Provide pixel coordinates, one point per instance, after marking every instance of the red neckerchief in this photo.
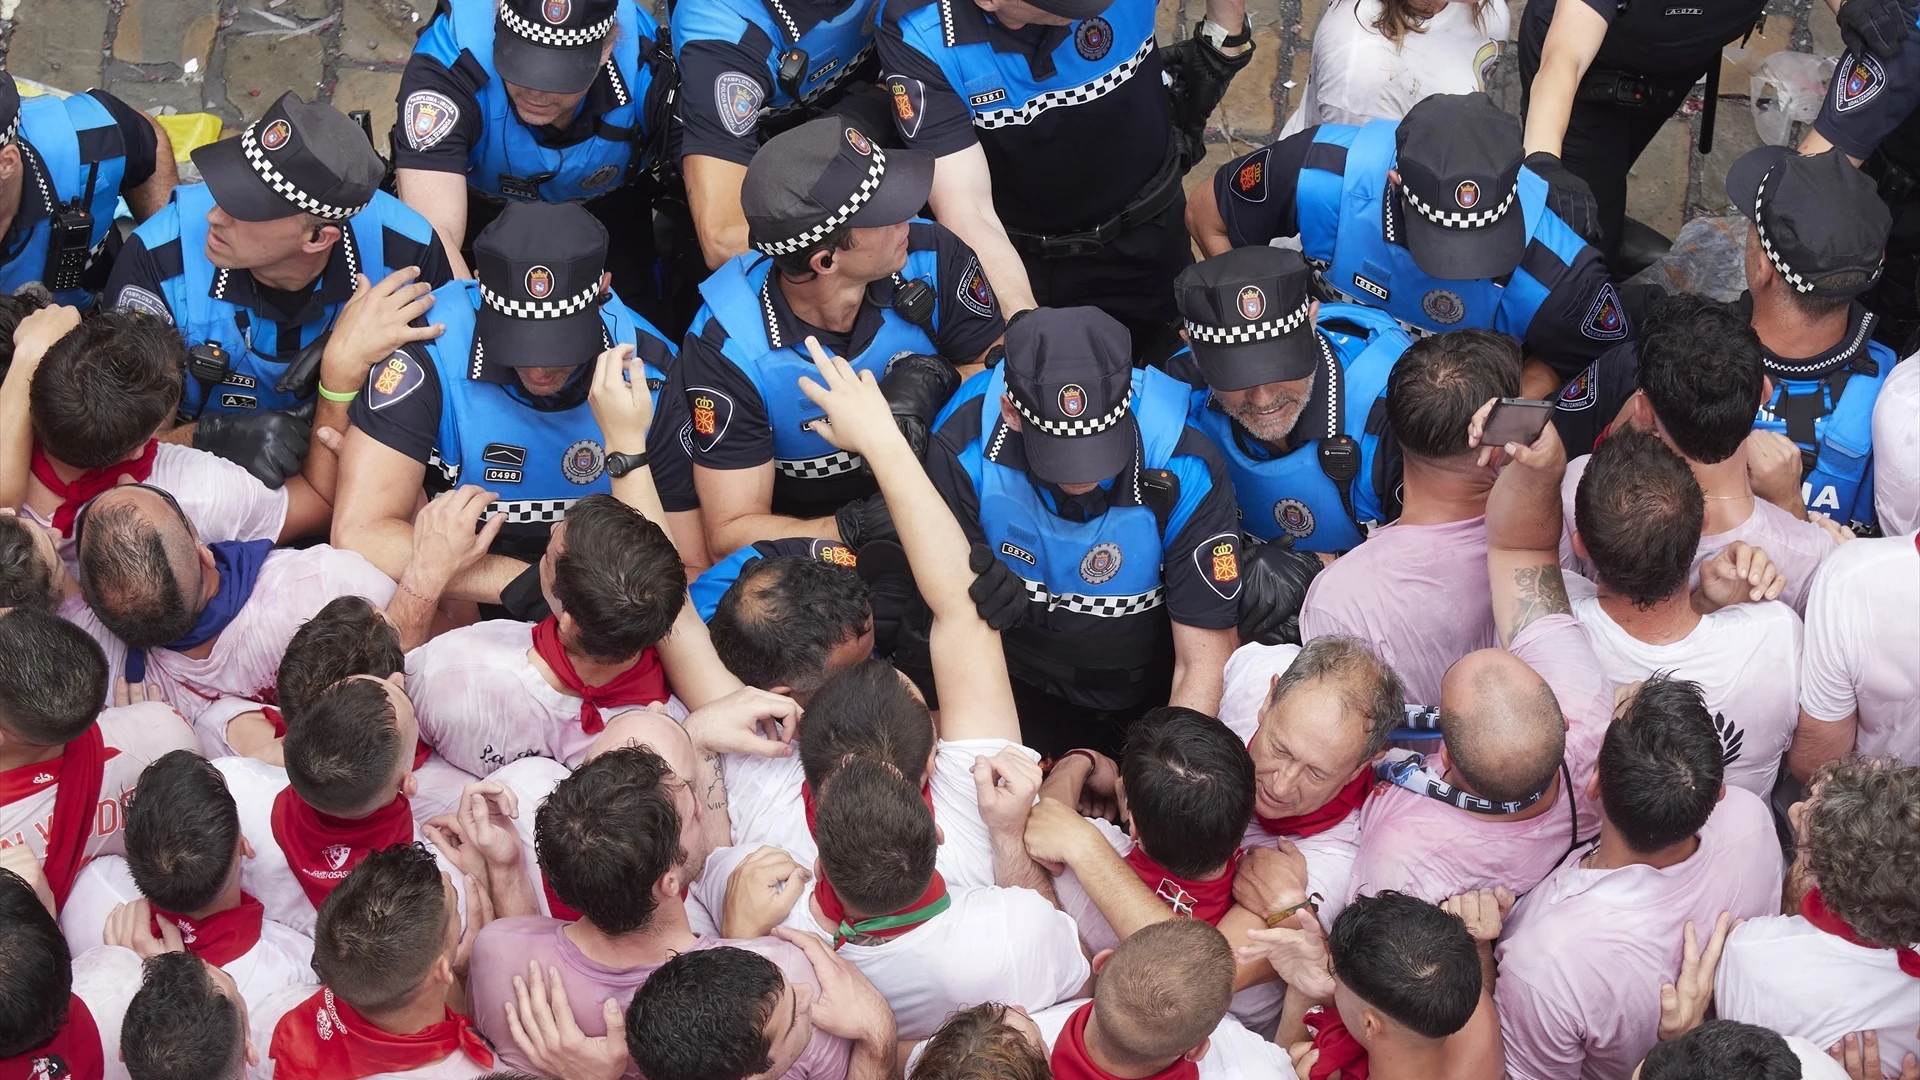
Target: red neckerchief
(931, 903)
(323, 1038)
(1313, 822)
(1071, 1061)
(322, 849)
(421, 751)
(557, 907)
(72, 1054)
(806, 800)
(642, 684)
(1203, 900)
(83, 763)
(80, 490)
(1339, 1050)
(1814, 909)
(222, 937)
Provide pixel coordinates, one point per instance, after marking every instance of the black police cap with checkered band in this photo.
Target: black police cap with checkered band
(540, 267)
(1818, 218)
(1247, 315)
(1459, 162)
(806, 183)
(1069, 375)
(552, 45)
(9, 111)
(298, 158)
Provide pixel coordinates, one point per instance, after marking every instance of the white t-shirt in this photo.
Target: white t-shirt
(1782, 972)
(294, 585)
(1745, 657)
(1583, 956)
(992, 944)
(1358, 75)
(1862, 648)
(273, 976)
(106, 978)
(1896, 451)
(267, 877)
(1233, 1052)
(764, 805)
(135, 736)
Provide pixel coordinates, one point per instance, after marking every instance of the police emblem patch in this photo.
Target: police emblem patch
(539, 283)
(710, 412)
(1582, 392)
(556, 11)
(858, 140)
(974, 293)
(135, 298)
(600, 177)
(1073, 400)
(836, 554)
(1218, 560)
(1093, 38)
(1864, 80)
(1252, 302)
(1250, 180)
(392, 380)
(1444, 306)
(909, 100)
(276, 134)
(429, 118)
(1605, 321)
(584, 461)
(1100, 563)
(1467, 194)
(739, 99)
(1294, 518)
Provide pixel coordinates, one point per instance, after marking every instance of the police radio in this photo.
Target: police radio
(68, 246)
(913, 301)
(793, 71)
(209, 363)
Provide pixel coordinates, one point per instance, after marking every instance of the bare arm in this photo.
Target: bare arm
(31, 339)
(1231, 14)
(441, 198)
(713, 194)
(1573, 39)
(1199, 666)
(1058, 836)
(736, 505)
(1209, 229)
(153, 192)
(1523, 530)
(962, 200)
(1816, 742)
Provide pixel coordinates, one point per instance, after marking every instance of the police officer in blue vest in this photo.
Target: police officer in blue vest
(840, 257)
(539, 101)
(1432, 219)
(255, 265)
(1082, 475)
(499, 400)
(1287, 389)
(64, 164)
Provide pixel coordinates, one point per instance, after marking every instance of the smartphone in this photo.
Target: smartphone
(1516, 420)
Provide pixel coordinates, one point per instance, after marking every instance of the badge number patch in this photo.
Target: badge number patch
(1218, 560)
(429, 118)
(1093, 38)
(1015, 551)
(738, 98)
(1605, 320)
(1368, 285)
(974, 293)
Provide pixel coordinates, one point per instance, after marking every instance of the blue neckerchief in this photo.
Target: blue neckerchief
(239, 563)
(1406, 769)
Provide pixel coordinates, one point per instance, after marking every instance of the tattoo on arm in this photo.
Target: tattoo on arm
(1539, 591)
(716, 796)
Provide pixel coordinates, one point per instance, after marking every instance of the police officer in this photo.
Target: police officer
(1433, 219)
(254, 265)
(1288, 386)
(500, 400)
(1082, 475)
(538, 101)
(838, 256)
(64, 164)
(1052, 118)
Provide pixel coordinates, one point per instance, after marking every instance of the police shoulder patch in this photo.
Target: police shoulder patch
(428, 117)
(135, 298)
(834, 553)
(1605, 320)
(392, 379)
(1250, 179)
(1860, 81)
(711, 411)
(1218, 560)
(973, 292)
(1581, 391)
(909, 103)
(738, 98)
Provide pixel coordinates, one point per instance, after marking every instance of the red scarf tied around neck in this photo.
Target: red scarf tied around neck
(80, 490)
(1070, 1060)
(222, 937)
(1344, 802)
(323, 1038)
(1189, 898)
(1339, 1050)
(642, 684)
(72, 1054)
(80, 771)
(1814, 909)
(322, 849)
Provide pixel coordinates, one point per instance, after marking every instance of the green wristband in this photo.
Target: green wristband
(341, 398)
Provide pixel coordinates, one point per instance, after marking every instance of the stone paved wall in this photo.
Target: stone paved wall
(234, 57)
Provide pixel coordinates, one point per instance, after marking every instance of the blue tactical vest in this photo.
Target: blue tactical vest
(733, 295)
(706, 590)
(1341, 229)
(508, 161)
(538, 462)
(195, 296)
(1839, 482)
(834, 49)
(1291, 494)
(85, 159)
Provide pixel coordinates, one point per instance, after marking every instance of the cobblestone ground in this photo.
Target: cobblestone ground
(234, 57)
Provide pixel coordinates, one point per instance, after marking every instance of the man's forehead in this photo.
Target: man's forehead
(1312, 720)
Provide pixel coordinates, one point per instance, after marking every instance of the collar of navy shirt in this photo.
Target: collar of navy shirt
(608, 92)
(966, 23)
(1317, 420)
(1004, 448)
(1852, 345)
(785, 330)
(335, 285)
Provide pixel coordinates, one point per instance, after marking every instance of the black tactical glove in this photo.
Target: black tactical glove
(1273, 584)
(917, 387)
(270, 445)
(998, 594)
(890, 592)
(1874, 26)
(1567, 195)
(864, 519)
(522, 597)
(1200, 74)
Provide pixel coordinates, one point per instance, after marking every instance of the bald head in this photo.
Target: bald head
(1503, 727)
(1163, 991)
(140, 566)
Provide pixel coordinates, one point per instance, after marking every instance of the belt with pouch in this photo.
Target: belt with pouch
(1152, 201)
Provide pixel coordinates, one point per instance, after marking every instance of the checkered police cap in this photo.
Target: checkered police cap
(1787, 274)
(555, 37)
(1091, 425)
(540, 309)
(256, 156)
(1241, 335)
(876, 171)
(12, 132)
(1456, 219)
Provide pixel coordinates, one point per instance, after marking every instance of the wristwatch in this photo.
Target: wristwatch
(619, 465)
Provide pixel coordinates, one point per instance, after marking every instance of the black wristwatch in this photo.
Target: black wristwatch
(619, 465)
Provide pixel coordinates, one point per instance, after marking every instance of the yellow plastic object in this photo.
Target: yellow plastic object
(189, 131)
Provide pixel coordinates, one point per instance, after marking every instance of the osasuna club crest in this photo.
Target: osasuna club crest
(1073, 400)
(336, 855)
(539, 283)
(1100, 564)
(1252, 302)
(556, 11)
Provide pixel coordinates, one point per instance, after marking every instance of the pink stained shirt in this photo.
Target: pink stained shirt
(136, 736)
(506, 945)
(1583, 956)
(1417, 593)
(1433, 850)
(1862, 646)
(1896, 451)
